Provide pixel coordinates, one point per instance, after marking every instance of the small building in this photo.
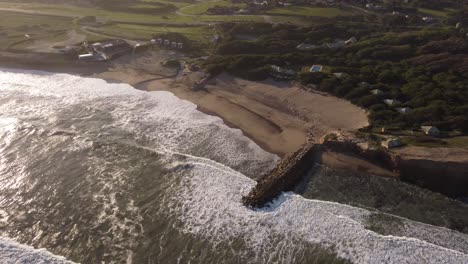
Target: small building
(391, 102)
(334, 45)
(167, 42)
(180, 45)
(403, 110)
(351, 41)
(304, 46)
(392, 143)
(431, 131)
(364, 85)
(282, 74)
(92, 57)
(86, 57)
(339, 75)
(428, 19)
(377, 92)
(97, 45)
(174, 45)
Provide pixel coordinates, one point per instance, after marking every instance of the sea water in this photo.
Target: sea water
(98, 172)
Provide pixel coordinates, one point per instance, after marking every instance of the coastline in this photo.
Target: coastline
(277, 116)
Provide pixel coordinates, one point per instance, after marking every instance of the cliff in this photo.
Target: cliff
(446, 177)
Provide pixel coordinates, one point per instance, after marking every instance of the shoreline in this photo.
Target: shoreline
(277, 116)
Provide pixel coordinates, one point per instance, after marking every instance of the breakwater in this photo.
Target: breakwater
(284, 177)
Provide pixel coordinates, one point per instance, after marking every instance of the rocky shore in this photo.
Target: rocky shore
(445, 177)
(287, 174)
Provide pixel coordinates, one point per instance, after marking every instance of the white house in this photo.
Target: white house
(377, 92)
(339, 75)
(403, 110)
(431, 131)
(86, 57)
(391, 102)
(304, 46)
(351, 41)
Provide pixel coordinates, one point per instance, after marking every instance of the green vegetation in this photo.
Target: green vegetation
(433, 12)
(15, 27)
(308, 11)
(201, 8)
(424, 70)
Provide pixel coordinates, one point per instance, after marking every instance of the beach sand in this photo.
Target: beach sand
(277, 115)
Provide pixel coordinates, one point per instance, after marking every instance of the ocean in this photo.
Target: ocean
(97, 172)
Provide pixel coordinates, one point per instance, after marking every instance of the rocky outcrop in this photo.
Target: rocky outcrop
(446, 177)
(285, 177)
(449, 178)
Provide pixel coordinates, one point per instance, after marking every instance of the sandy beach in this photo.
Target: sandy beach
(278, 116)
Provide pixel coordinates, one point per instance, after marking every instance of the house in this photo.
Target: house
(174, 45)
(392, 143)
(431, 131)
(391, 102)
(364, 85)
(428, 19)
(339, 75)
(351, 41)
(403, 110)
(377, 92)
(92, 57)
(180, 45)
(167, 42)
(335, 45)
(86, 57)
(304, 46)
(97, 45)
(281, 73)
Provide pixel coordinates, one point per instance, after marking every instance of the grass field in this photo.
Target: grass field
(432, 12)
(201, 8)
(15, 27)
(75, 11)
(308, 11)
(195, 33)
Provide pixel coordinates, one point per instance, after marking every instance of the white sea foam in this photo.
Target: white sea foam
(213, 209)
(210, 198)
(15, 253)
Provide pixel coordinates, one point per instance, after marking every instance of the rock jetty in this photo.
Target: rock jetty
(285, 177)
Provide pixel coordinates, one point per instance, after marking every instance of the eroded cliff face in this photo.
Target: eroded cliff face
(449, 178)
(446, 177)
